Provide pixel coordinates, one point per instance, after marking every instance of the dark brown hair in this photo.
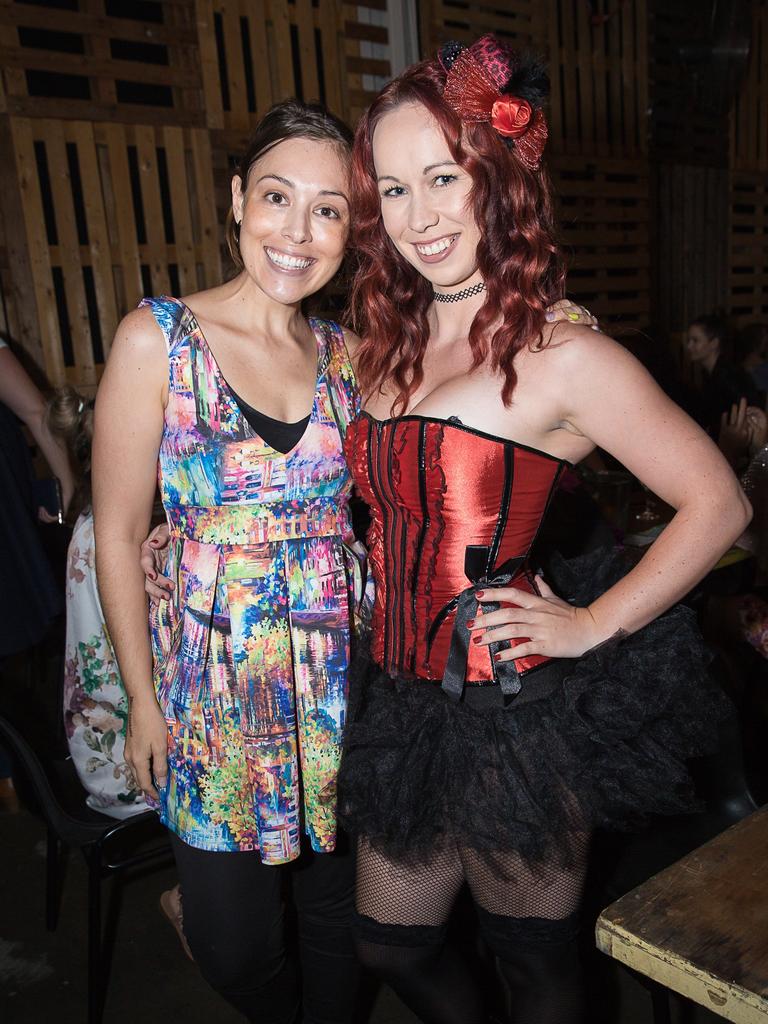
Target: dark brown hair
(290, 119)
(715, 326)
(69, 416)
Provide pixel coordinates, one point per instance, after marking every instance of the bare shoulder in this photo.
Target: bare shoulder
(138, 358)
(353, 343)
(138, 335)
(581, 353)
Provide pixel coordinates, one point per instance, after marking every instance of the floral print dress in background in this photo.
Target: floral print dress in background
(95, 704)
(252, 651)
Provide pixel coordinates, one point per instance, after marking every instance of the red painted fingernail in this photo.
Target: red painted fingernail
(153, 543)
(479, 593)
(470, 623)
(152, 576)
(477, 638)
(497, 656)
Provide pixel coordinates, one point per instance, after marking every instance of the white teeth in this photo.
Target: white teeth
(435, 247)
(289, 262)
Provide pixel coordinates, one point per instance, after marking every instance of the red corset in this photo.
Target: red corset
(452, 507)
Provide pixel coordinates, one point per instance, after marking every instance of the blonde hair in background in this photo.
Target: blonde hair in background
(69, 416)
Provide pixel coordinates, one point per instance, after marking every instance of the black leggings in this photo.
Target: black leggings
(233, 912)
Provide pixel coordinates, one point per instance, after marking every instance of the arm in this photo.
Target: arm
(127, 431)
(19, 393)
(611, 400)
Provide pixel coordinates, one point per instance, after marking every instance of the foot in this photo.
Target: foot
(170, 905)
(9, 801)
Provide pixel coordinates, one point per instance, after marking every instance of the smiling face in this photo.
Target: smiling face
(294, 218)
(425, 197)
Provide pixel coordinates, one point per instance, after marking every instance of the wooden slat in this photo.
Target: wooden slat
(583, 68)
(280, 45)
(642, 104)
(209, 64)
(257, 34)
(14, 81)
(209, 231)
(84, 110)
(184, 254)
(238, 95)
(52, 135)
(97, 46)
(79, 64)
(329, 22)
(37, 251)
(153, 211)
(304, 22)
(568, 58)
(124, 216)
(92, 24)
(98, 238)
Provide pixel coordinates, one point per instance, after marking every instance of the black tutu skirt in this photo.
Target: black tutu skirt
(595, 742)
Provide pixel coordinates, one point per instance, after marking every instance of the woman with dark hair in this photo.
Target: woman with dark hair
(723, 382)
(238, 404)
(496, 725)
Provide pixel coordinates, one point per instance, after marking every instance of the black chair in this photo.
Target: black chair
(109, 847)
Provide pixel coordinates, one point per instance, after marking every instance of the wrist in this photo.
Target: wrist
(146, 700)
(595, 631)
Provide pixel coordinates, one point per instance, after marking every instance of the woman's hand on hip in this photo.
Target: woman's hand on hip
(548, 625)
(146, 745)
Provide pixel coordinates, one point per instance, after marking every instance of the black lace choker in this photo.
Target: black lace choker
(458, 296)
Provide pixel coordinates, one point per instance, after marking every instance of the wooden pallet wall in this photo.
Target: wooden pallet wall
(109, 212)
(253, 55)
(598, 58)
(519, 22)
(604, 218)
(748, 251)
(105, 103)
(122, 122)
(749, 115)
(692, 257)
(99, 60)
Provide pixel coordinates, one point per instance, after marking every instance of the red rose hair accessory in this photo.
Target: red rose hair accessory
(489, 82)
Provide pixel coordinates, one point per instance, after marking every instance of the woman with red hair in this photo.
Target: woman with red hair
(497, 724)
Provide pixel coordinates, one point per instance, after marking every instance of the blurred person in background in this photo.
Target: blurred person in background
(30, 598)
(751, 352)
(723, 383)
(95, 704)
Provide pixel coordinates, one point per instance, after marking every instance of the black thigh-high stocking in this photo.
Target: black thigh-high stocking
(529, 919)
(402, 910)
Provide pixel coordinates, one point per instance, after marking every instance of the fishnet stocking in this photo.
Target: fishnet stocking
(527, 918)
(417, 893)
(503, 883)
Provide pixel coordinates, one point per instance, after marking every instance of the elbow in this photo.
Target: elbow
(745, 510)
(735, 512)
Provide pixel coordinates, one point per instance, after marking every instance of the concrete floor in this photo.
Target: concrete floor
(43, 974)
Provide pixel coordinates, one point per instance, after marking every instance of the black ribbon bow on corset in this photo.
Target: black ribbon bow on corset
(476, 569)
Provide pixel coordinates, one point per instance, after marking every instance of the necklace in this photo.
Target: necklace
(465, 293)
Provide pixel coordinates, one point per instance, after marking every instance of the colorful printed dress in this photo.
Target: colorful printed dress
(251, 654)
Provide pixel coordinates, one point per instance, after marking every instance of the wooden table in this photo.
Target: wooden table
(700, 927)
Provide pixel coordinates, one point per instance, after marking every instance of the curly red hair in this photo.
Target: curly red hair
(518, 256)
